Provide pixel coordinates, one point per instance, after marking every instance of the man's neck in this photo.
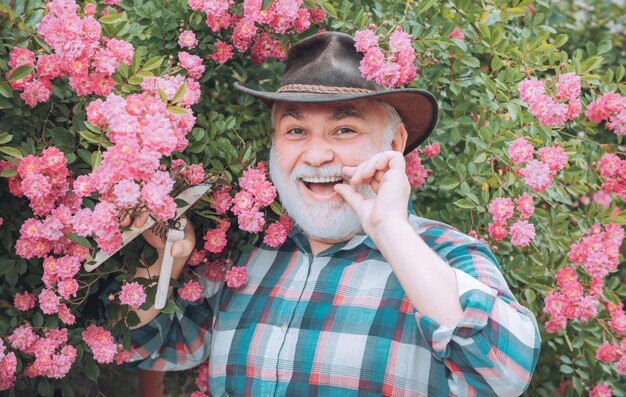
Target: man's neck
(319, 246)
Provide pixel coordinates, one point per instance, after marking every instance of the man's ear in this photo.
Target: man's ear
(399, 138)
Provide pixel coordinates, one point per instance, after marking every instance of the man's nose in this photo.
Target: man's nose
(318, 152)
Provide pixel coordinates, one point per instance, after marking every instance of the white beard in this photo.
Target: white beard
(324, 221)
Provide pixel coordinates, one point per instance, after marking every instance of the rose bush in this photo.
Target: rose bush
(110, 107)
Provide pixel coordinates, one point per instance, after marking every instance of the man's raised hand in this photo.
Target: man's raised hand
(385, 173)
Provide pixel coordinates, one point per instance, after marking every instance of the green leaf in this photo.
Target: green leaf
(471, 62)
(277, 209)
(464, 203)
(62, 137)
(96, 159)
(604, 47)
(112, 18)
(37, 319)
(591, 64)
(480, 158)
(91, 370)
(496, 63)
(180, 203)
(136, 63)
(329, 9)
(152, 63)
(619, 73)
(448, 183)
(180, 93)
(619, 219)
(516, 11)
(135, 80)
(67, 390)
(176, 110)
(8, 172)
(20, 72)
(5, 137)
(6, 266)
(170, 307)
(566, 369)
(44, 388)
(89, 136)
(123, 69)
(79, 240)
(459, 43)
(560, 40)
(6, 90)
(11, 151)
(162, 95)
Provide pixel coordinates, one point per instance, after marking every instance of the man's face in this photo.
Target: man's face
(312, 142)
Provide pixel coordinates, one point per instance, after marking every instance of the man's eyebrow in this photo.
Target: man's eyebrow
(291, 112)
(342, 113)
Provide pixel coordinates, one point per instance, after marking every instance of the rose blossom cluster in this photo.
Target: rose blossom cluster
(598, 254)
(8, 365)
(601, 390)
(537, 174)
(130, 175)
(103, 346)
(415, 170)
(45, 181)
(613, 353)
(613, 169)
(256, 193)
(255, 28)
(502, 209)
(552, 110)
(569, 301)
(390, 68)
(611, 107)
(78, 51)
(187, 39)
(133, 295)
(53, 357)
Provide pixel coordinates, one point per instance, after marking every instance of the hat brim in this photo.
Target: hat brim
(417, 108)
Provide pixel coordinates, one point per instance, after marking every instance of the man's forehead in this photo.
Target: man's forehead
(353, 108)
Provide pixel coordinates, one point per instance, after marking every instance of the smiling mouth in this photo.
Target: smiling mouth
(324, 186)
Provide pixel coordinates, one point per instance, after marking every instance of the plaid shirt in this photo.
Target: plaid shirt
(340, 324)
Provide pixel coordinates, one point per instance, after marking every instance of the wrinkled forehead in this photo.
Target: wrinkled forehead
(359, 108)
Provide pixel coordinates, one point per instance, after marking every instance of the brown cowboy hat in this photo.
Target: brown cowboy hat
(325, 68)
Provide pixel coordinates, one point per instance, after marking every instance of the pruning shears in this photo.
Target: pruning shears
(172, 231)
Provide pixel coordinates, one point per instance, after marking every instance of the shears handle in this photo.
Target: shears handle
(173, 234)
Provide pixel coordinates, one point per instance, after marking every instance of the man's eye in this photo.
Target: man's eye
(296, 131)
(345, 130)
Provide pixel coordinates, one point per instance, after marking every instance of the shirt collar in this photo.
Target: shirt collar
(301, 240)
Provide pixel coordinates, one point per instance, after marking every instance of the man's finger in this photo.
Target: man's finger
(368, 169)
(185, 246)
(352, 197)
(141, 219)
(181, 248)
(125, 220)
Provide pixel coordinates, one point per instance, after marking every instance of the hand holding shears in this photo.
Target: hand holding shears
(169, 237)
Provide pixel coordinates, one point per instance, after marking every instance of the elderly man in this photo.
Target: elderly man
(363, 298)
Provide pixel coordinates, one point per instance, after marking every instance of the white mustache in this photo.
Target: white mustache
(327, 171)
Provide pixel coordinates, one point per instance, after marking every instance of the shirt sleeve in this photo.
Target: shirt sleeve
(176, 341)
(494, 347)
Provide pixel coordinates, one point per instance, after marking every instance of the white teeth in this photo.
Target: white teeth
(326, 179)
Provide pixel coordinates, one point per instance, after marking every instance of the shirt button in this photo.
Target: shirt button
(283, 327)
